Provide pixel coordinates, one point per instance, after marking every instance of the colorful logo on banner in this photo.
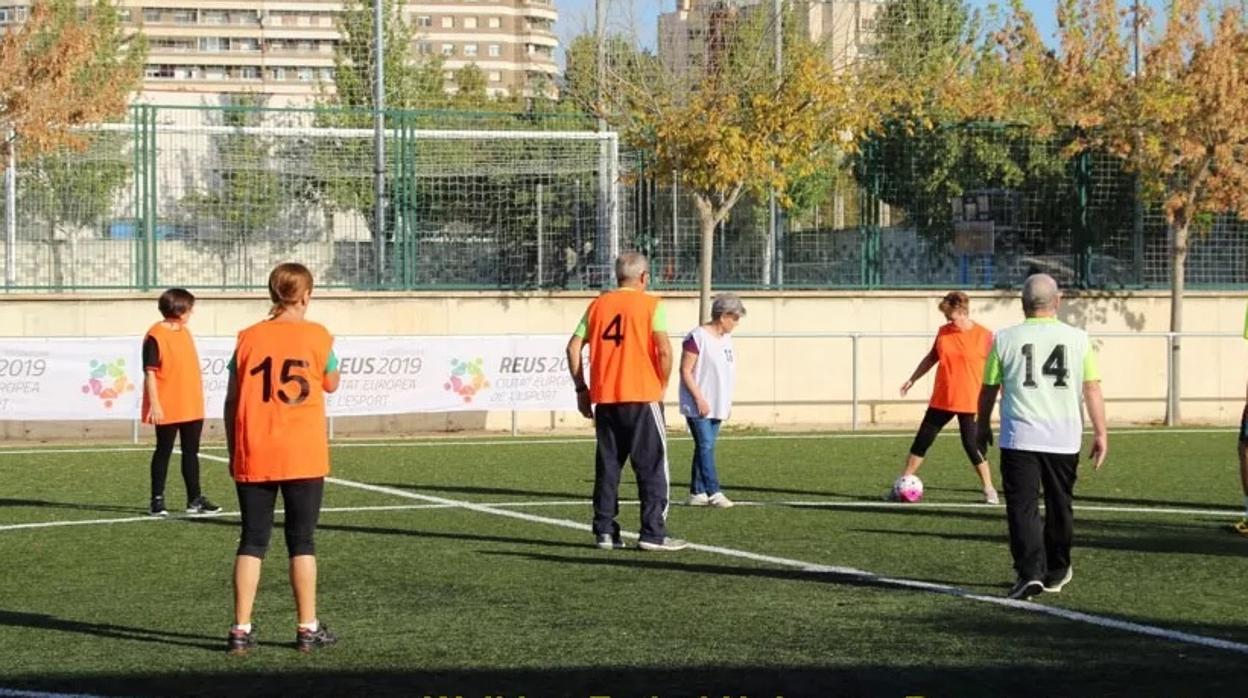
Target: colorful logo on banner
(467, 378)
(108, 381)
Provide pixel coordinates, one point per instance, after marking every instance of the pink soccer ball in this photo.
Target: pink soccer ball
(908, 488)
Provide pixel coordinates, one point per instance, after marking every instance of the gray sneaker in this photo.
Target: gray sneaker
(1056, 579)
(1024, 589)
(668, 544)
(605, 541)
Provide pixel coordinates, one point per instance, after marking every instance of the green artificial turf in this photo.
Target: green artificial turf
(455, 602)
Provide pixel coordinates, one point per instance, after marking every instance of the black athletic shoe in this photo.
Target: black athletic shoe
(306, 640)
(201, 505)
(1024, 589)
(157, 507)
(1055, 580)
(239, 643)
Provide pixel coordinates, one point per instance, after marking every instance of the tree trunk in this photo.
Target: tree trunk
(1178, 270)
(706, 225)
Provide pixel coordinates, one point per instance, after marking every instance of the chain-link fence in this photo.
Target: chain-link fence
(212, 198)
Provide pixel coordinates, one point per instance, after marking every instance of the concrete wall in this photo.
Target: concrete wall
(784, 382)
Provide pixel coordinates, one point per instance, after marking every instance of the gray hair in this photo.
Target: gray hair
(1040, 292)
(727, 304)
(630, 266)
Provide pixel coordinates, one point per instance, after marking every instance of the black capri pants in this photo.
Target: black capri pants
(302, 501)
(935, 420)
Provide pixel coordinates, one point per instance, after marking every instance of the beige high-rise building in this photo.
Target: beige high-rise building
(689, 35)
(284, 48)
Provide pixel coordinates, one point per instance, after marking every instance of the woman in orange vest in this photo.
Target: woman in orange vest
(959, 354)
(173, 400)
(275, 429)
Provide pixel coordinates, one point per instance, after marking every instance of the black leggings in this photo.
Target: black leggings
(934, 421)
(165, 434)
(257, 500)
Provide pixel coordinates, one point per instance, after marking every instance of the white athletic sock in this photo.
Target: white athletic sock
(244, 628)
(310, 627)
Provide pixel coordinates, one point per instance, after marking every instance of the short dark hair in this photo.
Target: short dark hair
(175, 302)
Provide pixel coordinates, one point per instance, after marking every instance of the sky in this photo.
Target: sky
(577, 16)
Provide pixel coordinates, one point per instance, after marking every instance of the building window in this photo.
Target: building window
(279, 73)
(448, 22)
(305, 74)
(495, 22)
(214, 17)
(424, 48)
(448, 49)
(470, 23)
(470, 50)
(249, 72)
(496, 76)
(211, 44)
(424, 21)
(496, 50)
(151, 14)
(185, 17)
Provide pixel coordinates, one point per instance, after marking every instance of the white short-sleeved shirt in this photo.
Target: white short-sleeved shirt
(715, 373)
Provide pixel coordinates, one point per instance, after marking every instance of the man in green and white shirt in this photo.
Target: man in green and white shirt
(1046, 371)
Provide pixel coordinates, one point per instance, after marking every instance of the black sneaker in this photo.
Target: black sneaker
(157, 507)
(605, 541)
(1055, 580)
(239, 643)
(1024, 589)
(306, 640)
(201, 505)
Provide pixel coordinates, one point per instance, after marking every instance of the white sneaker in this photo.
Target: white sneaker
(990, 496)
(719, 501)
(698, 500)
(668, 544)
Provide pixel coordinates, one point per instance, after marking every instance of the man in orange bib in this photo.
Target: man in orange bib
(630, 360)
(275, 428)
(173, 400)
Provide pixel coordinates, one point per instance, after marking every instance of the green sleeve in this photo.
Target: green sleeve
(332, 365)
(659, 322)
(582, 329)
(1091, 367)
(992, 369)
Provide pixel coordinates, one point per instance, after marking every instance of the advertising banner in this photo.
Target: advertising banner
(92, 378)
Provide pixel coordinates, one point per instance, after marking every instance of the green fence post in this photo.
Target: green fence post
(1083, 233)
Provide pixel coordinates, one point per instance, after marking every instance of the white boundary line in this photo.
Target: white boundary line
(524, 441)
(536, 504)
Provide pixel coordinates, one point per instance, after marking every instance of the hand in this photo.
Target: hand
(1100, 449)
(582, 404)
(983, 439)
(156, 414)
(905, 387)
(704, 407)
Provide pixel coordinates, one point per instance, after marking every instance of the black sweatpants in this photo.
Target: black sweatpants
(1039, 546)
(631, 431)
(165, 435)
(302, 501)
(934, 420)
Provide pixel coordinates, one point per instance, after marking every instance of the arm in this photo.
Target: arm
(663, 352)
(1095, 401)
(577, 369)
(230, 413)
(987, 403)
(153, 397)
(329, 383)
(921, 370)
(688, 360)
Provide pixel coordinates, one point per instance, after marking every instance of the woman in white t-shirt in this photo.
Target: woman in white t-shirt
(708, 374)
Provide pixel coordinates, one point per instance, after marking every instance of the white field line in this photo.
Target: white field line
(12, 693)
(535, 504)
(522, 441)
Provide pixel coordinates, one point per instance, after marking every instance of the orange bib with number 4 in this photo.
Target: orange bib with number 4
(279, 432)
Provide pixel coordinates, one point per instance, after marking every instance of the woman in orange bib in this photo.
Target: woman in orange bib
(173, 400)
(959, 354)
(275, 429)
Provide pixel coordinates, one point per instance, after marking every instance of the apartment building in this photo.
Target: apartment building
(284, 48)
(691, 34)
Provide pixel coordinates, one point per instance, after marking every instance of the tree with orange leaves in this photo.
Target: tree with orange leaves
(1180, 125)
(65, 66)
